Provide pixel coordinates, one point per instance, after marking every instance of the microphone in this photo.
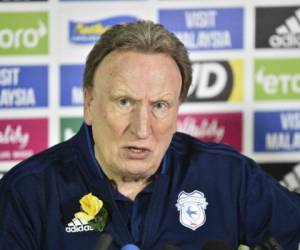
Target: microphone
(104, 242)
(170, 247)
(269, 244)
(130, 247)
(273, 244)
(217, 245)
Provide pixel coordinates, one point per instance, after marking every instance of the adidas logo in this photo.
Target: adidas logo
(288, 34)
(77, 225)
(292, 179)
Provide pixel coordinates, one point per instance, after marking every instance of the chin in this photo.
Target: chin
(140, 173)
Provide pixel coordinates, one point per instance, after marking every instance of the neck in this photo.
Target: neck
(130, 187)
(127, 184)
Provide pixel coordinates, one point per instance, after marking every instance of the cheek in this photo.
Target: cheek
(112, 125)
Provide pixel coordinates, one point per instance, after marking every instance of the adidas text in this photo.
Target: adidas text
(285, 41)
(77, 225)
(75, 229)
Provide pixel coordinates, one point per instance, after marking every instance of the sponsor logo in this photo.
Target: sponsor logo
(89, 32)
(191, 207)
(278, 27)
(206, 29)
(277, 131)
(23, 86)
(23, 33)
(225, 128)
(217, 81)
(20, 139)
(292, 179)
(205, 129)
(288, 174)
(277, 79)
(15, 135)
(76, 226)
(71, 93)
(69, 127)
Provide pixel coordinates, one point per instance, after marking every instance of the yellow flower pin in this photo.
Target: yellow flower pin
(92, 211)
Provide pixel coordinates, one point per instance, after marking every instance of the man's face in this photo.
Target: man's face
(132, 109)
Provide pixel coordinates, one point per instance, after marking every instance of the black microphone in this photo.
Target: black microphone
(170, 247)
(273, 244)
(269, 244)
(104, 242)
(217, 245)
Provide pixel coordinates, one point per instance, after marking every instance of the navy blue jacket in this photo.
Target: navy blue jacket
(201, 192)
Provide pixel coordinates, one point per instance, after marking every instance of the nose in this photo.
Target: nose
(141, 124)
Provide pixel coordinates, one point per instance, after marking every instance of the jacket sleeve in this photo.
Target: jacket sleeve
(268, 209)
(16, 224)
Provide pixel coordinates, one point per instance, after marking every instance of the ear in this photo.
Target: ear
(87, 108)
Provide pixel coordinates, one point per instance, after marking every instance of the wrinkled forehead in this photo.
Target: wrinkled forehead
(115, 55)
(135, 70)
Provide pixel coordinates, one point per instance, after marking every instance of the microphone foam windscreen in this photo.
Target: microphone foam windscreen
(130, 247)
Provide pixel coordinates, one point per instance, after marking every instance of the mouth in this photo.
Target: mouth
(136, 153)
(137, 150)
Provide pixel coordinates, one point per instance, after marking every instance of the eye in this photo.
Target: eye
(124, 102)
(160, 105)
(160, 109)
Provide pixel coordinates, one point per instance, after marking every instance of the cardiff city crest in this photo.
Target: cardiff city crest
(191, 207)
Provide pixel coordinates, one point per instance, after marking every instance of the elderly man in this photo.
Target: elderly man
(130, 175)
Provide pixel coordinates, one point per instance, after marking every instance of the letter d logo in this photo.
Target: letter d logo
(212, 81)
